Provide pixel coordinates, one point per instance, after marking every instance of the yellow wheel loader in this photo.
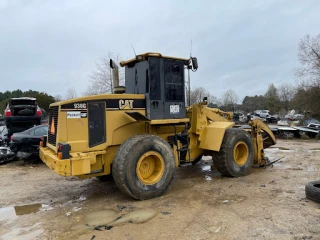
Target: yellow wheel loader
(140, 133)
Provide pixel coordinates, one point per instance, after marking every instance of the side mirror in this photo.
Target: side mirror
(194, 63)
(205, 100)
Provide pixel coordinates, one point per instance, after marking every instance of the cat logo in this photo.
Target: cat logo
(52, 130)
(125, 104)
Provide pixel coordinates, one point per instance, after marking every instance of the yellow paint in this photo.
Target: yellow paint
(257, 127)
(206, 133)
(176, 155)
(240, 153)
(195, 150)
(61, 167)
(150, 168)
(213, 134)
(169, 121)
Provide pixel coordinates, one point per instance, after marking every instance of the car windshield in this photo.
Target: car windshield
(41, 131)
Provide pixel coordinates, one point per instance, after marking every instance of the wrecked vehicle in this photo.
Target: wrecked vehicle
(272, 119)
(6, 155)
(2, 121)
(4, 138)
(21, 114)
(26, 144)
(262, 113)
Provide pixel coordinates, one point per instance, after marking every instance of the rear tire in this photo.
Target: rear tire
(236, 153)
(144, 167)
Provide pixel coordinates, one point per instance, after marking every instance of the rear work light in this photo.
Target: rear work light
(43, 141)
(7, 112)
(63, 151)
(39, 112)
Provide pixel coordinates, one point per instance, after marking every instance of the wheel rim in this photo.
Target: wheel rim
(150, 168)
(240, 153)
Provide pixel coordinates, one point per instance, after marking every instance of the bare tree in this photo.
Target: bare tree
(58, 98)
(197, 94)
(101, 77)
(230, 98)
(71, 93)
(307, 96)
(309, 58)
(286, 93)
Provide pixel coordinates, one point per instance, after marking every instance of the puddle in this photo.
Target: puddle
(27, 233)
(208, 178)
(106, 219)
(103, 217)
(137, 216)
(206, 168)
(27, 209)
(9, 214)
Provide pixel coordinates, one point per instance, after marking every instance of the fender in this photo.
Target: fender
(212, 135)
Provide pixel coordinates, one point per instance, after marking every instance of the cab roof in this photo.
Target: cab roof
(144, 56)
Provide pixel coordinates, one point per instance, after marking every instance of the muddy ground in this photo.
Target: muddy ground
(267, 204)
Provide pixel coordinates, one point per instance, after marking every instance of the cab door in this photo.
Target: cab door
(174, 99)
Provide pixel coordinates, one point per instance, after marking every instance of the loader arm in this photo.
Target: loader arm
(207, 128)
(208, 125)
(262, 138)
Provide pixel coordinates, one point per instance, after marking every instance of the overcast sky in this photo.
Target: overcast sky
(244, 45)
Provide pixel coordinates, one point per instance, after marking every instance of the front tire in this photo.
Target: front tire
(144, 167)
(235, 157)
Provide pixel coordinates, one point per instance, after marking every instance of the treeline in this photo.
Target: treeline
(302, 98)
(305, 96)
(43, 99)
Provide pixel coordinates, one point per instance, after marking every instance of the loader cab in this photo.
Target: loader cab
(162, 81)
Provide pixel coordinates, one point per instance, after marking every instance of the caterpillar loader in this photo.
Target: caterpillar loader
(140, 133)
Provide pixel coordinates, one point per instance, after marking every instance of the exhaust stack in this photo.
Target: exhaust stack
(115, 73)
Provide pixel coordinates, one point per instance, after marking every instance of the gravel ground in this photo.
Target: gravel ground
(270, 203)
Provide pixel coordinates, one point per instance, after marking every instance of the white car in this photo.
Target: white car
(263, 113)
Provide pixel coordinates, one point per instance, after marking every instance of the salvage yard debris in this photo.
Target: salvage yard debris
(313, 191)
(278, 192)
(6, 155)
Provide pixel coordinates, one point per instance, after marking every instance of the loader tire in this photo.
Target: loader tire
(235, 157)
(144, 167)
(312, 190)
